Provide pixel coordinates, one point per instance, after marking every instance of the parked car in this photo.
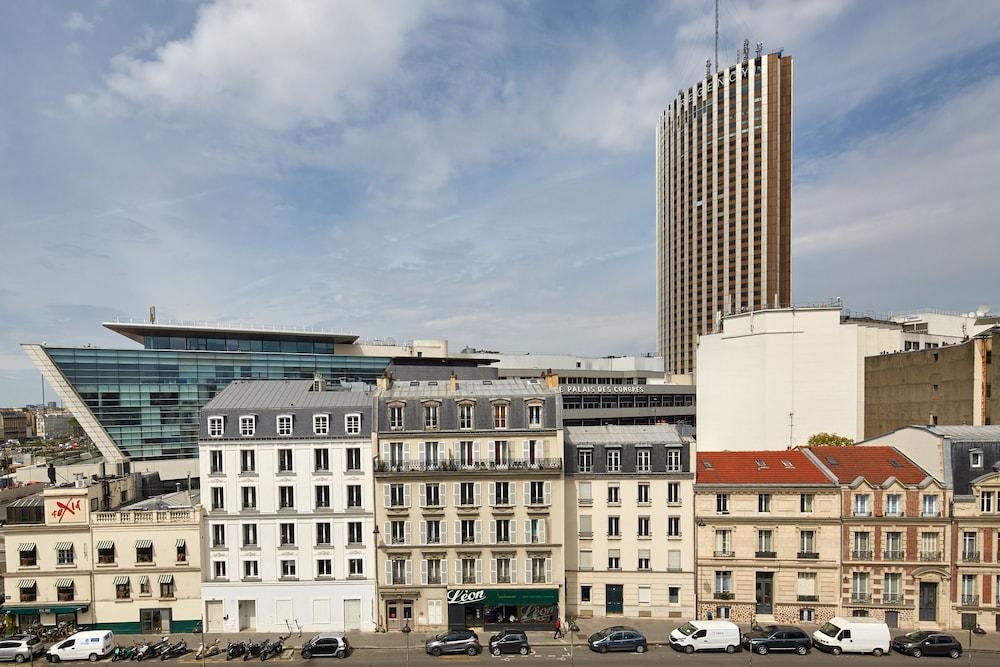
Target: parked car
(927, 643)
(510, 641)
(777, 638)
(706, 636)
(88, 645)
(328, 643)
(454, 641)
(21, 648)
(617, 638)
(853, 635)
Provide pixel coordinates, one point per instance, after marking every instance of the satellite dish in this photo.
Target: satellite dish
(983, 309)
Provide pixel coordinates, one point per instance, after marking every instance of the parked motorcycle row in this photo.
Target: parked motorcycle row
(165, 650)
(144, 650)
(264, 649)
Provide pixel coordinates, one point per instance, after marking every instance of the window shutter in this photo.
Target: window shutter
(475, 452)
(423, 572)
(493, 570)
(388, 573)
(406, 495)
(444, 565)
(479, 570)
(423, 537)
(384, 448)
(458, 532)
(458, 570)
(526, 450)
(388, 494)
(527, 492)
(541, 532)
(527, 570)
(409, 572)
(443, 493)
(477, 489)
(493, 534)
(527, 531)
(406, 452)
(458, 493)
(494, 448)
(444, 535)
(387, 535)
(493, 494)
(548, 493)
(479, 531)
(421, 452)
(548, 570)
(512, 526)
(512, 490)
(406, 532)
(513, 570)
(423, 495)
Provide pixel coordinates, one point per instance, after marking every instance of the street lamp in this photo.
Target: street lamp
(406, 632)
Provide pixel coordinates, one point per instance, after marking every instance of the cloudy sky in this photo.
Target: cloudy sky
(481, 172)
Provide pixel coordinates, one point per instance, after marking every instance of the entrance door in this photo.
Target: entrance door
(398, 613)
(352, 614)
(213, 616)
(614, 599)
(247, 614)
(892, 619)
(154, 621)
(434, 616)
(928, 601)
(765, 592)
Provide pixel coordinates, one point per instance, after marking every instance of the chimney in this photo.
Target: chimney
(551, 379)
(319, 384)
(452, 382)
(385, 381)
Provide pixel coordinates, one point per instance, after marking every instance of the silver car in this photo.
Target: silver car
(21, 648)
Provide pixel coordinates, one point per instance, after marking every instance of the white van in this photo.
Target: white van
(88, 645)
(853, 635)
(706, 636)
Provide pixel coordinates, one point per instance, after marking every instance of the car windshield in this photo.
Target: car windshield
(32, 640)
(917, 636)
(829, 629)
(441, 636)
(686, 629)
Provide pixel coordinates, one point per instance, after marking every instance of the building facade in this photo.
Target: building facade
(286, 475)
(469, 478)
(14, 425)
(723, 202)
(629, 525)
(768, 543)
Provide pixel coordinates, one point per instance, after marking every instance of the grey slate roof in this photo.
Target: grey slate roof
(282, 394)
(615, 434)
(968, 433)
(404, 389)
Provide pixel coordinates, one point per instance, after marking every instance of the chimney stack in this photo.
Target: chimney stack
(385, 381)
(452, 382)
(551, 379)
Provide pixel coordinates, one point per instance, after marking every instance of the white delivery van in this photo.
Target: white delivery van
(706, 636)
(853, 635)
(88, 645)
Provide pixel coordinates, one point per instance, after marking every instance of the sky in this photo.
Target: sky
(480, 172)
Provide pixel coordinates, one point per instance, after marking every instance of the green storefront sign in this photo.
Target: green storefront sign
(513, 596)
(46, 609)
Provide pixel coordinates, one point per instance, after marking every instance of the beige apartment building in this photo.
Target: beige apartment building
(976, 550)
(768, 543)
(629, 525)
(469, 482)
(130, 570)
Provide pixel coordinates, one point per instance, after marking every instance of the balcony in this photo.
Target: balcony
(892, 598)
(970, 600)
(723, 595)
(862, 513)
(971, 556)
(930, 513)
(807, 598)
(861, 555)
(469, 579)
(723, 554)
(434, 580)
(893, 555)
(861, 598)
(140, 518)
(808, 555)
(930, 556)
(766, 554)
(387, 467)
(398, 580)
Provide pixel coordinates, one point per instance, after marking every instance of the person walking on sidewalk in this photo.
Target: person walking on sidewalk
(558, 626)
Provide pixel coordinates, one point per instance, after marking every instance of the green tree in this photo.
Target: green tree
(830, 439)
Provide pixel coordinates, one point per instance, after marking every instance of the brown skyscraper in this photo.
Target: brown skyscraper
(723, 202)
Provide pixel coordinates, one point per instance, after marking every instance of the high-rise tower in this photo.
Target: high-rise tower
(723, 201)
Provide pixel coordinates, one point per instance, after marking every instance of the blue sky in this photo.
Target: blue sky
(481, 172)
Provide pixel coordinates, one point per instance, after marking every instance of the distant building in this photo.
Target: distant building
(53, 424)
(14, 425)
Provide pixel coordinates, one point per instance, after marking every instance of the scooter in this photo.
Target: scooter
(208, 651)
(147, 650)
(124, 652)
(254, 649)
(178, 649)
(273, 649)
(235, 650)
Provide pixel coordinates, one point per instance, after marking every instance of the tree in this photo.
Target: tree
(830, 439)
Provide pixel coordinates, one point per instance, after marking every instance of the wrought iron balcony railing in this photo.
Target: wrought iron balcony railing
(553, 464)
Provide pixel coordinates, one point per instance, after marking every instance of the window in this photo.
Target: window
(432, 495)
(862, 504)
(468, 452)
(248, 497)
(398, 496)
(396, 418)
(642, 494)
(501, 529)
(501, 573)
(539, 570)
(432, 532)
(674, 560)
(970, 546)
(215, 462)
(248, 425)
(354, 496)
(892, 588)
(323, 532)
(723, 543)
(181, 546)
(250, 569)
(144, 551)
(673, 526)
(970, 590)
(673, 493)
(355, 567)
(585, 493)
(893, 504)
(614, 527)
(501, 493)
(432, 455)
(764, 502)
(644, 595)
(286, 534)
(723, 582)
(167, 586)
(216, 427)
(399, 532)
(499, 415)
(218, 498)
(806, 503)
(287, 568)
(29, 555)
(218, 569)
(643, 528)
(324, 567)
(585, 593)
(431, 413)
(807, 543)
(614, 495)
(536, 531)
(674, 595)
(614, 460)
(584, 460)
(64, 553)
(249, 534)
(807, 615)
(248, 460)
(539, 493)
(976, 458)
(398, 570)
(321, 460)
(352, 423)
(323, 496)
(468, 531)
(354, 537)
(929, 505)
(218, 535)
(986, 501)
(642, 460)
(467, 493)
(894, 546)
(929, 546)
(65, 591)
(321, 424)
(859, 587)
(285, 460)
(284, 425)
(673, 459)
(105, 552)
(722, 503)
(644, 559)
(286, 497)
(765, 544)
(534, 415)
(501, 452)
(465, 416)
(353, 459)
(123, 590)
(862, 546)
(585, 527)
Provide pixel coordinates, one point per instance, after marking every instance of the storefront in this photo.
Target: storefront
(524, 608)
(46, 614)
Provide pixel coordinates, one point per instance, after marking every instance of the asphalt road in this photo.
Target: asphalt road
(656, 656)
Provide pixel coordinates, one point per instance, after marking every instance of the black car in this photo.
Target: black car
(454, 641)
(509, 641)
(777, 638)
(617, 638)
(329, 643)
(927, 643)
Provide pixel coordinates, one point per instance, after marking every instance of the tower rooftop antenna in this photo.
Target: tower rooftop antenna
(716, 36)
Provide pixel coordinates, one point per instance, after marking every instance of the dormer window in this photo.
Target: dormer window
(216, 426)
(432, 412)
(284, 425)
(535, 415)
(248, 425)
(321, 424)
(466, 416)
(976, 458)
(500, 415)
(352, 423)
(396, 417)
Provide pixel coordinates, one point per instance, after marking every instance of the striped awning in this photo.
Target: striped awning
(166, 578)
(106, 544)
(180, 542)
(26, 583)
(64, 583)
(60, 546)
(26, 546)
(121, 581)
(144, 544)
(143, 580)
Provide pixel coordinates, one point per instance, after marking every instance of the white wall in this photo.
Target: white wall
(318, 607)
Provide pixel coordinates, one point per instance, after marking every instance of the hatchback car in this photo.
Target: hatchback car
(21, 648)
(510, 641)
(617, 638)
(927, 643)
(454, 641)
(326, 644)
(777, 638)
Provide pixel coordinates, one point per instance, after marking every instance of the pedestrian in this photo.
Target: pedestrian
(558, 625)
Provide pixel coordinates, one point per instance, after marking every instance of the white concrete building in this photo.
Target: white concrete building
(286, 474)
(772, 378)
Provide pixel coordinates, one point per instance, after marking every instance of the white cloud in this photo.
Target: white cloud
(77, 22)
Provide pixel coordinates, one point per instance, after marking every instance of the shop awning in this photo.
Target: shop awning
(514, 596)
(180, 542)
(27, 546)
(60, 546)
(50, 609)
(106, 544)
(144, 544)
(64, 583)
(26, 583)
(121, 581)
(166, 578)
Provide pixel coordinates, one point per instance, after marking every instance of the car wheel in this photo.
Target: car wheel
(18, 658)
(523, 650)
(55, 658)
(341, 653)
(495, 650)
(603, 649)
(689, 649)
(835, 650)
(472, 650)
(761, 649)
(730, 649)
(436, 651)
(802, 649)
(916, 653)
(307, 654)
(640, 648)
(954, 653)
(877, 653)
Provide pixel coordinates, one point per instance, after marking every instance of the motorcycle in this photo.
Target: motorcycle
(147, 650)
(235, 650)
(273, 649)
(254, 649)
(208, 651)
(178, 649)
(124, 652)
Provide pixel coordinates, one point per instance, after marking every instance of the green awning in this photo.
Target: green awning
(143, 580)
(144, 544)
(180, 542)
(166, 578)
(121, 581)
(61, 546)
(26, 583)
(50, 609)
(106, 544)
(27, 546)
(514, 596)
(64, 583)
